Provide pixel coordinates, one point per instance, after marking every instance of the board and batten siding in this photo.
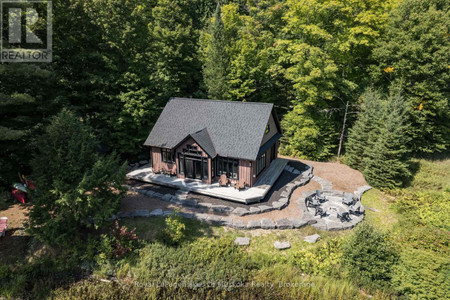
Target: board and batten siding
(245, 172)
(158, 164)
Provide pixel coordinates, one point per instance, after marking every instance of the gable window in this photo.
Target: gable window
(260, 164)
(228, 166)
(167, 155)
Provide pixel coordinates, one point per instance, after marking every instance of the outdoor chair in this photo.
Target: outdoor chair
(312, 203)
(344, 217)
(320, 212)
(3, 225)
(356, 210)
(348, 200)
(321, 198)
(240, 185)
(223, 180)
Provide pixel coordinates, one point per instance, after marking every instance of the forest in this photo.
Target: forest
(365, 83)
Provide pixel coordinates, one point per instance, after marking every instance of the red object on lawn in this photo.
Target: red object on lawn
(19, 195)
(3, 225)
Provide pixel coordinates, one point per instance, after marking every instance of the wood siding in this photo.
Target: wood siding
(158, 164)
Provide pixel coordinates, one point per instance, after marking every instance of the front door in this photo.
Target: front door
(193, 167)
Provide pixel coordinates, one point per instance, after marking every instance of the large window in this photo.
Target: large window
(167, 155)
(229, 166)
(260, 164)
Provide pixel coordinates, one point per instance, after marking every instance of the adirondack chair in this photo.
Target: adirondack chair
(344, 217)
(240, 185)
(320, 212)
(3, 225)
(223, 180)
(321, 198)
(356, 210)
(312, 202)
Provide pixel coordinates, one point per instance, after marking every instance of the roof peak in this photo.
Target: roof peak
(217, 100)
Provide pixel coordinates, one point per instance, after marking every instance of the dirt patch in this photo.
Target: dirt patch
(343, 177)
(16, 216)
(290, 211)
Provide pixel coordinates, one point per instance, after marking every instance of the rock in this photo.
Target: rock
(239, 211)
(284, 224)
(253, 224)
(143, 162)
(204, 205)
(143, 213)
(277, 205)
(282, 245)
(167, 197)
(297, 172)
(284, 194)
(189, 202)
(238, 224)
(168, 212)
(227, 221)
(201, 217)
(187, 215)
(297, 223)
(265, 208)
(312, 238)
(242, 241)
(219, 208)
(267, 224)
(254, 210)
(157, 212)
(149, 193)
(214, 219)
(283, 200)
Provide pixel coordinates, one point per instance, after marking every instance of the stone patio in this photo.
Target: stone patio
(249, 195)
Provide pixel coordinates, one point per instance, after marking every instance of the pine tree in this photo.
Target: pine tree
(25, 100)
(365, 125)
(386, 161)
(216, 60)
(75, 185)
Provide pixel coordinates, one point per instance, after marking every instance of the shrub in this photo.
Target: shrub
(175, 230)
(369, 257)
(422, 275)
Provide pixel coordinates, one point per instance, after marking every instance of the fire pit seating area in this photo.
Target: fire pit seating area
(333, 210)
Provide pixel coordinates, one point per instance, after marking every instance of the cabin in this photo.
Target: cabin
(199, 139)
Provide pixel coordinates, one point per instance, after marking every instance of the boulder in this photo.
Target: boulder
(265, 208)
(267, 224)
(312, 238)
(284, 224)
(157, 212)
(282, 245)
(242, 241)
(239, 211)
(254, 210)
(254, 224)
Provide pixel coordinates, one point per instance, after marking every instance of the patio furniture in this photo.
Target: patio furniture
(312, 202)
(319, 196)
(348, 200)
(240, 185)
(356, 210)
(320, 212)
(223, 180)
(344, 217)
(3, 225)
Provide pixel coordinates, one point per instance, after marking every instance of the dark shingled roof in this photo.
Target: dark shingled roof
(227, 128)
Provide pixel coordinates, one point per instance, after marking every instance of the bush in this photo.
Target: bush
(175, 230)
(422, 275)
(325, 259)
(369, 257)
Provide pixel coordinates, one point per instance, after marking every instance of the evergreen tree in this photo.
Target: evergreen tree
(386, 160)
(413, 54)
(76, 187)
(26, 99)
(365, 125)
(216, 60)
